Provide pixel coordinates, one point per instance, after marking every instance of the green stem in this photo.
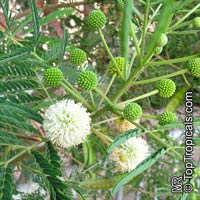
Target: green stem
(105, 121)
(36, 56)
(149, 116)
(160, 77)
(71, 86)
(183, 18)
(126, 85)
(139, 97)
(81, 99)
(108, 88)
(110, 103)
(104, 138)
(135, 41)
(109, 53)
(179, 26)
(92, 99)
(164, 144)
(138, 125)
(45, 90)
(177, 60)
(144, 31)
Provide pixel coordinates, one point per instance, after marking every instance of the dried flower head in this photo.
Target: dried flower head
(130, 154)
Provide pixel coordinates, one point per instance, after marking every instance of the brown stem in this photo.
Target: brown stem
(32, 138)
(39, 128)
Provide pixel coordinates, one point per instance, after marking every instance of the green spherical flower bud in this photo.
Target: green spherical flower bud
(120, 61)
(158, 50)
(77, 56)
(132, 111)
(196, 22)
(167, 118)
(96, 19)
(53, 76)
(166, 88)
(194, 67)
(87, 80)
(162, 40)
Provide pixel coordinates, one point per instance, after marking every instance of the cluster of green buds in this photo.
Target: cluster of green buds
(87, 80)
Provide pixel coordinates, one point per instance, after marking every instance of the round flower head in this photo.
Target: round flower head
(162, 40)
(77, 56)
(66, 123)
(132, 111)
(53, 76)
(194, 67)
(120, 64)
(96, 19)
(196, 22)
(130, 154)
(87, 80)
(166, 88)
(167, 118)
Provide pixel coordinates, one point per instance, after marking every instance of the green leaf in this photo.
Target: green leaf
(183, 196)
(58, 14)
(36, 22)
(53, 157)
(7, 13)
(101, 184)
(145, 164)
(16, 71)
(12, 119)
(45, 165)
(177, 99)
(124, 32)
(197, 142)
(15, 85)
(33, 197)
(23, 98)
(164, 21)
(57, 183)
(20, 52)
(6, 184)
(20, 109)
(196, 122)
(21, 24)
(8, 139)
(123, 138)
(63, 44)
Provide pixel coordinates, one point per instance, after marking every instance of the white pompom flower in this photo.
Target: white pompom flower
(130, 154)
(66, 123)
